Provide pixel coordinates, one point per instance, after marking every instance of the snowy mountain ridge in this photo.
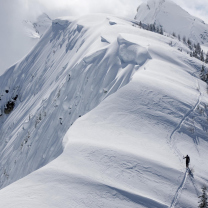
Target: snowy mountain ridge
(45, 85)
(109, 110)
(173, 19)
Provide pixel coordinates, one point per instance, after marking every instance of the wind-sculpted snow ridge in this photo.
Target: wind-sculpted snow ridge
(172, 18)
(67, 74)
(139, 107)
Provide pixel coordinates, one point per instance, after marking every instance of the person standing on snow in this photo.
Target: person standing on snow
(187, 160)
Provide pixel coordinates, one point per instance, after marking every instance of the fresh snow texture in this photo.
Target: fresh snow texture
(173, 18)
(145, 109)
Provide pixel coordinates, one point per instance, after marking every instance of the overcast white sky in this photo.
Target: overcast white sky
(13, 44)
(77, 7)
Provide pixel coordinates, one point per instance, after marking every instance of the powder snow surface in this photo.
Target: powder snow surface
(116, 108)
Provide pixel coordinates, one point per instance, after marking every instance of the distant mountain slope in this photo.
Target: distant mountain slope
(145, 109)
(173, 19)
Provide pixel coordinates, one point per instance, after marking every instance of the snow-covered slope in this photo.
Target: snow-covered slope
(173, 19)
(71, 70)
(37, 29)
(127, 152)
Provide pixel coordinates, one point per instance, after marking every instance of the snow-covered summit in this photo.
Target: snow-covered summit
(37, 28)
(173, 18)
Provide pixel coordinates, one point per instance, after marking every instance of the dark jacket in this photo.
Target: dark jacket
(187, 159)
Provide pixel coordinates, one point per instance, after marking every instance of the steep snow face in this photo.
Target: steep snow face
(173, 18)
(37, 29)
(75, 66)
(126, 152)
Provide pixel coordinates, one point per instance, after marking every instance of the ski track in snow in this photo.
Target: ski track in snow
(179, 190)
(179, 154)
(193, 182)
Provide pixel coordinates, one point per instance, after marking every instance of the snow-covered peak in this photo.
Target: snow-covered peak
(173, 18)
(43, 18)
(37, 28)
(42, 24)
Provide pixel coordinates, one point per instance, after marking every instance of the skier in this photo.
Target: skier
(187, 160)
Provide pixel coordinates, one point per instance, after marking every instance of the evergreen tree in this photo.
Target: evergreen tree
(206, 59)
(153, 28)
(179, 37)
(203, 198)
(184, 39)
(204, 74)
(174, 35)
(161, 31)
(195, 54)
(202, 56)
(148, 27)
(189, 42)
(198, 48)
